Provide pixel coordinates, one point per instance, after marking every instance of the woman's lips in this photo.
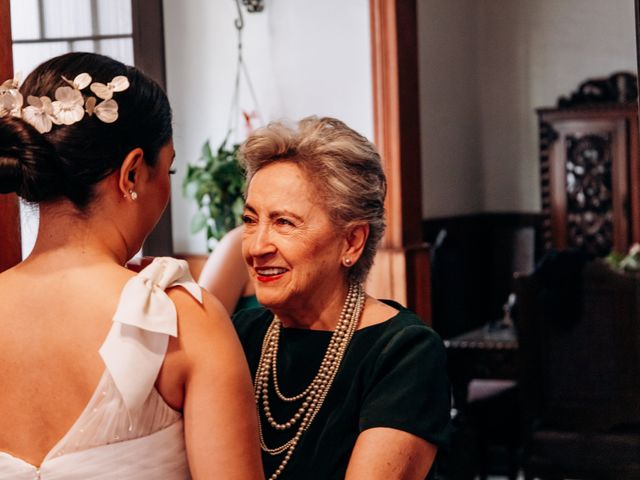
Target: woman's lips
(269, 274)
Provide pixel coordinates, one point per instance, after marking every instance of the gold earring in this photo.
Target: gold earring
(347, 262)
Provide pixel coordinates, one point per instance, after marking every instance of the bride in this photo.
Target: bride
(106, 373)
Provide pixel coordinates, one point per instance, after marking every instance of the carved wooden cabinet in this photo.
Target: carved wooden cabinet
(589, 177)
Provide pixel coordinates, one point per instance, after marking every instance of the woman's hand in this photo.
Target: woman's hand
(390, 454)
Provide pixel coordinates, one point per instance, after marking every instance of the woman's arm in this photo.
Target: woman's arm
(387, 453)
(220, 418)
(405, 412)
(225, 274)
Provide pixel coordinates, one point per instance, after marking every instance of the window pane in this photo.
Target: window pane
(114, 17)
(84, 46)
(27, 56)
(120, 49)
(67, 18)
(25, 24)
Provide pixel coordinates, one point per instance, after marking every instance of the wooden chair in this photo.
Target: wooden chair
(580, 375)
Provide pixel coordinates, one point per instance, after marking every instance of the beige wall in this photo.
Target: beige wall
(527, 53)
(451, 142)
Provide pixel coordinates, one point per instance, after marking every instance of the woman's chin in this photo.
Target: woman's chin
(270, 299)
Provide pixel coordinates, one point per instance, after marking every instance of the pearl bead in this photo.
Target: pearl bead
(313, 396)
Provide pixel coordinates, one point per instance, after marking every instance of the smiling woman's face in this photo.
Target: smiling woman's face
(290, 244)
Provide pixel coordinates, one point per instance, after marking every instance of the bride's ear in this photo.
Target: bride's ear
(129, 172)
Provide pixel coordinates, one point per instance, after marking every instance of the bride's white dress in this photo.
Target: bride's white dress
(126, 431)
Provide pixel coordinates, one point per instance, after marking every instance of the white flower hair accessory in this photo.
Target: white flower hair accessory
(105, 92)
(10, 98)
(69, 105)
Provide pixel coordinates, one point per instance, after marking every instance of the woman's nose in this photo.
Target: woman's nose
(260, 242)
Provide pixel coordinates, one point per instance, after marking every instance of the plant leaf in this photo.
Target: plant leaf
(206, 153)
(198, 222)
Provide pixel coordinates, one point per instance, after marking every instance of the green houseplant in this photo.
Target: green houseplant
(625, 263)
(216, 184)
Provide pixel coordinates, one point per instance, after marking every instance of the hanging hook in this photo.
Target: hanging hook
(241, 71)
(239, 22)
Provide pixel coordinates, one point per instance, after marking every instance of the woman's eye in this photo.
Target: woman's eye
(246, 219)
(285, 222)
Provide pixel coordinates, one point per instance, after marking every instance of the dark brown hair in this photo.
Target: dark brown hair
(70, 160)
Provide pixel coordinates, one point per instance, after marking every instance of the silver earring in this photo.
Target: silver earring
(347, 262)
(133, 195)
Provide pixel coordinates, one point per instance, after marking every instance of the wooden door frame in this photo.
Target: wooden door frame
(402, 267)
(148, 53)
(10, 241)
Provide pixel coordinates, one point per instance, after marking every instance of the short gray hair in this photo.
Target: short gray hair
(344, 166)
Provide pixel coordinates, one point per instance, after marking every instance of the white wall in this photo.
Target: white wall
(451, 172)
(533, 52)
(527, 54)
(305, 57)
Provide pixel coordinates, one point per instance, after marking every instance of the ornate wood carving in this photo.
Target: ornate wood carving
(589, 167)
(588, 177)
(589, 172)
(10, 249)
(547, 137)
(620, 87)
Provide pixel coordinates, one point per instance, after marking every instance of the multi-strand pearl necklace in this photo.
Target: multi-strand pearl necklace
(314, 395)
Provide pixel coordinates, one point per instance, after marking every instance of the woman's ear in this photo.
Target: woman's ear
(130, 172)
(355, 241)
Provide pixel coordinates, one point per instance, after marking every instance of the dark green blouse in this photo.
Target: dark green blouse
(250, 301)
(393, 375)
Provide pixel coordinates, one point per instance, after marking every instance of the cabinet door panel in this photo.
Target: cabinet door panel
(588, 167)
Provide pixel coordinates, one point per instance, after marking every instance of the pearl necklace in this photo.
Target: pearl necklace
(314, 395)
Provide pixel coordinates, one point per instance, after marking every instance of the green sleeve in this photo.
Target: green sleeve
(408, 388)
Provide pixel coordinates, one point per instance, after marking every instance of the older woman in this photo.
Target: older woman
(347, 386)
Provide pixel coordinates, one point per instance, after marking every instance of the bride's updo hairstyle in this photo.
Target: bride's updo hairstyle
(69, 160)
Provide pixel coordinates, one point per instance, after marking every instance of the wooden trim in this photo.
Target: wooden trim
(637, 15)
(620, 184)
(401, 269)
(148, 38)
(10, 242)
(384, 63)
(482, 220)
(418, 260)
(397, 115)
(634, 166)
(634, 179)
(557, 193)
(148, 53)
